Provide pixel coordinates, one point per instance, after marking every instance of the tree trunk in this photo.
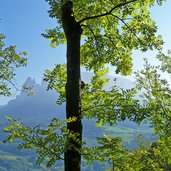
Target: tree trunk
(73, 31)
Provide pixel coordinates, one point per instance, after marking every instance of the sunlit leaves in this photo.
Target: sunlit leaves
(56, 36)
(109, 150)
(57, 80)
(166, 61)
(9, 61)
(109, 105)
(153, 158)
(156, 96)
(109, 38)
(49, 143)
(106, 105)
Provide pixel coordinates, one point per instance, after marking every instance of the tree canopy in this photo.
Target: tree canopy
(111, 30)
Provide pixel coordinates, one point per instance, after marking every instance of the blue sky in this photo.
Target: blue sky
(23, 21)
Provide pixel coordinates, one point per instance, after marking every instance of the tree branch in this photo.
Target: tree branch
(107, 13)
(95, 37)
(17, 89)
(29, 91)
(128, 28)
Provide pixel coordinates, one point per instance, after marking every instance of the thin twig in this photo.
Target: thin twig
(95, 37)
(128, 28)
(16, 88)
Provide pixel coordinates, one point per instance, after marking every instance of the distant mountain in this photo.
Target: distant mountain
(38, 108)
(42, 106)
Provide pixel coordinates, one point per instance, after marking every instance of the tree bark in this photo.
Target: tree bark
(73, 31)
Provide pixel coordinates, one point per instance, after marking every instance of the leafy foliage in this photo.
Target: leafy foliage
(111, 30)
(50, 144)
(109, 150)
(156, 96)
(109, 106)
(57, 80)
(9, 61)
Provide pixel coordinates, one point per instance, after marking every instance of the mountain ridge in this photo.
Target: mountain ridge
(42, 106)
